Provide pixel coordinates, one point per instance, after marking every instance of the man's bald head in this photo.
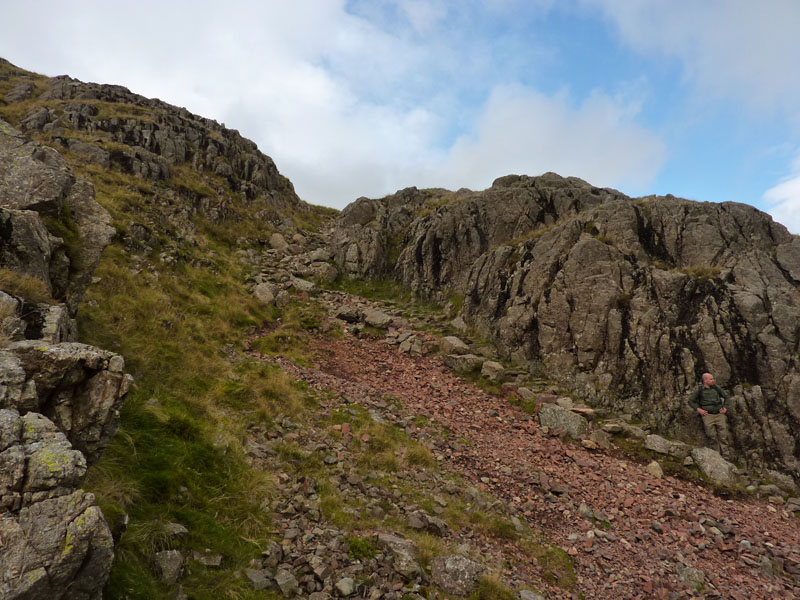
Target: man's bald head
(708, 379)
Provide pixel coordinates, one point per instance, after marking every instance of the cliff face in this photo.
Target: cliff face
(59, 400)
(626, 301)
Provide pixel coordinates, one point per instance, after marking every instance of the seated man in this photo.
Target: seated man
(709, 402)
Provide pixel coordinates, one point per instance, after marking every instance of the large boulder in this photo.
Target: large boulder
(556, 417)
(713, 466)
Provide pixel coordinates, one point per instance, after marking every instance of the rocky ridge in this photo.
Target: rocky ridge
(182, 165)
(59, 399)
(624, 300)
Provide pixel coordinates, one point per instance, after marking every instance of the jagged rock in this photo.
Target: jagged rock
(79, 387)
(376, 318)
(35, 178)
(258, 578)
(455, 574)
(526, 394)
(601, 438)
(169, 565)
(459, 325)
(656, 443)
(402, 553)
(324, 271)
(492, 370)
(528, 595)
(320, 255)
(461, 363)
(265, 292)
(453, 345)
(714, 466)
(556, 417)
(22, 91)
(92, 152)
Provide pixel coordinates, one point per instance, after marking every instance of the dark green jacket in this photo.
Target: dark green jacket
(710, 399)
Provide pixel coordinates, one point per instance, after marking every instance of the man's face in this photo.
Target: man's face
(708, 380)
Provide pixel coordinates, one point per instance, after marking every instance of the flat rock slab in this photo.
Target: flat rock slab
(376, 318)
(452, 345)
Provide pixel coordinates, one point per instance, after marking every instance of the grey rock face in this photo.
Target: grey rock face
(625, 301)
(287, 583)
(455, 574)
(556, 417)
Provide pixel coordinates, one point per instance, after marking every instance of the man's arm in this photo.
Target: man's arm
(694, 398)
(723, 396)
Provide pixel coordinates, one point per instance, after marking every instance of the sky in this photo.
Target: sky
(696, 98)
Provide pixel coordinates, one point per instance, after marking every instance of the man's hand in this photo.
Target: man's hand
(723, 410)
(701, 412)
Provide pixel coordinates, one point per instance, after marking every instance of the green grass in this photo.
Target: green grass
(556, 565)
(490, 588)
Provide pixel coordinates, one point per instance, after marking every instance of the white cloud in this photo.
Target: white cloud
(729, 48)
(524, 131)
(784, 199)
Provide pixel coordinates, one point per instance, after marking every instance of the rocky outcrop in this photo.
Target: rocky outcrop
(625, 301)
(59, 400)
(112, 126)
(36, 183)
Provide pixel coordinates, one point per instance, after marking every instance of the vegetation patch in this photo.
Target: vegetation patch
(29, 288)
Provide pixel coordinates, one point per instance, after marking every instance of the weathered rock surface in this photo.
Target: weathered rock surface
(455, 574)
(626, 301)
(556, 417)
(714, 466)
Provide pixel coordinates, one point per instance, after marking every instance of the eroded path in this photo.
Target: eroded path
(630, 534)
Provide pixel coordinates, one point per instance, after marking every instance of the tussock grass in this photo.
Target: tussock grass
(491, 588)
(557, 566)
(29, 288)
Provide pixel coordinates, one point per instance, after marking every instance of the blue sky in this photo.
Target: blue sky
(698, 98)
